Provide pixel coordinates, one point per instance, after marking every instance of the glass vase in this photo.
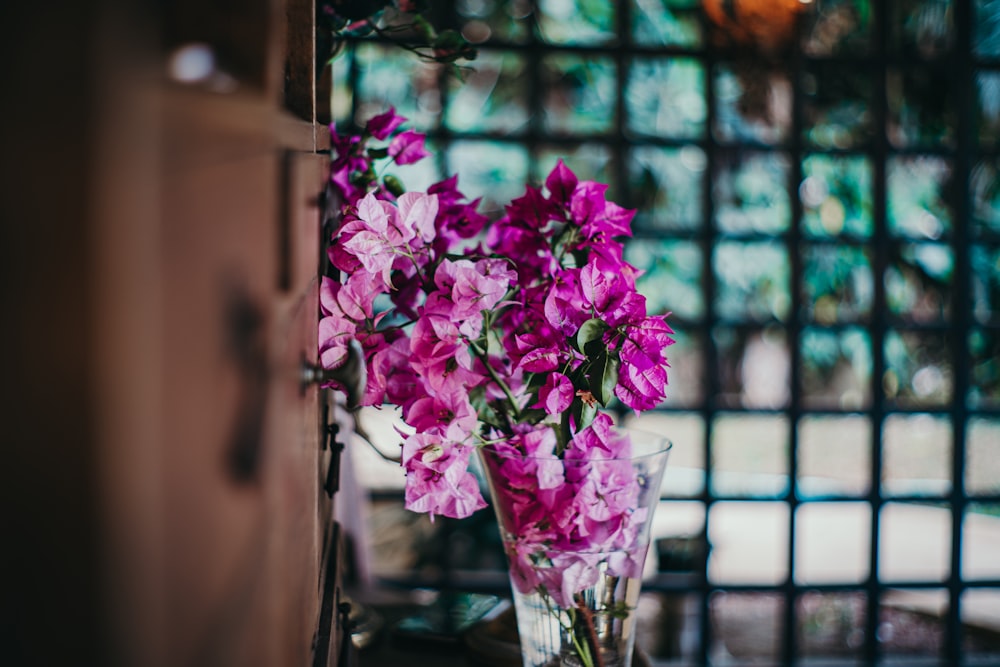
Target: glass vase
(576, 532)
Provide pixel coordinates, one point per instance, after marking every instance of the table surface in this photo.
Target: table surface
(488, 643)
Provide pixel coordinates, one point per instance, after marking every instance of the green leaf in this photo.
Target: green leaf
(378, 153)
(393, 185)
(604, 376)
(590, 331)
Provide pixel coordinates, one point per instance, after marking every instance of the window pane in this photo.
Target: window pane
(986, 283)
(916, 455)
(984, 350)
(988, 105)
(490, 97)
(577, 21)
(667, 186)
(911, 625)
(687, 457)
(753, 367)
(495, 172)
(666, 23)
(982, 451)
(749, 543)
(748, 626)
(920, 107)
(497, 19)
(918, 282)
(579, 94)
(979, 612)
(921, 28)
(836, 283)
(836, 196)
(836, 105)
(687, 370)
(673, 275)
(750, 193)
(918, 368)
(832, 543)
(831, 625)
(751, 104)
(908, 529)
(834, 456)
(984, 186)
(916, 201)
(987, 28)
(391, 77)
(750, 456)
(981, 542)
(341, 94)
(665, 97)
(838, 26)
(752, 280)
(836, 368)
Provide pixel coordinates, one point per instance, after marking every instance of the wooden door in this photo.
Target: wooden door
(174, 461)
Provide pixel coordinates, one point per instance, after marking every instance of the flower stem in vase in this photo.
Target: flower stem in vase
(584, 621)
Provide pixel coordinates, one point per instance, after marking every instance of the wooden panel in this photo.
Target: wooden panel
(299, 508)
(162, 297)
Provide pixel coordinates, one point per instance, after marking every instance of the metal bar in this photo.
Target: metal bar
(879, 324)
(708, 408)
(961, 313)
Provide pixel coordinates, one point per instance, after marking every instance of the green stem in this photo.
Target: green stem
(582, 650)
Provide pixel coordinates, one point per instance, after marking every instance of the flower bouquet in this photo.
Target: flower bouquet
(506, 340)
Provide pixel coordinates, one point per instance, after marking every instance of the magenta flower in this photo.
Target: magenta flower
(507, 335)
(408, 147)
(382, 125)
(556, 395)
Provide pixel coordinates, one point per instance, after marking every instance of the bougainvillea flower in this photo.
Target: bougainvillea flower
(476, 336)
(382, 125)
(437, 477)
(408, 147)
(556, 395)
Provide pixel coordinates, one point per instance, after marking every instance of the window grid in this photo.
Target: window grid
(879, 322)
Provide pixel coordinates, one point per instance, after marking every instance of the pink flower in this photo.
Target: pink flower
(449, 413)
(437, 477)
(417, 212)
(556, 395)
(480, 336)
(408, 147)
(642, 378)
(390, 376)
(565, 306)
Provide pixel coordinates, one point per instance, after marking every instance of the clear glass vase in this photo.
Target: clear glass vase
(576, 532)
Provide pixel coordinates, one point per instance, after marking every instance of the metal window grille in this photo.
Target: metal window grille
(870, 263)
